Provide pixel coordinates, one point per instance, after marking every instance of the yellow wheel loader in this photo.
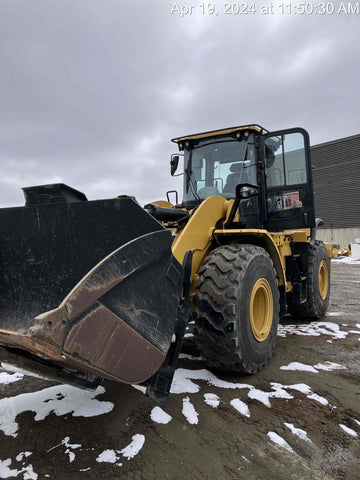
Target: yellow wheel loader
(104, 289)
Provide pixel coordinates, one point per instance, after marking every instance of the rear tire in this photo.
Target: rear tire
(236, 308)
(318, 287)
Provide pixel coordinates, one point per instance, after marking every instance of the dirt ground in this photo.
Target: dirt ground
(315, 411)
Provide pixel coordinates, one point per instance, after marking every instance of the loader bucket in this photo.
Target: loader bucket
(87, 287)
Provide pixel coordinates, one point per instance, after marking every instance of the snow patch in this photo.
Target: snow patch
(264, 397)
(107, 456)
(329, 366)
(318, 399)
(299, 366)
(21, 455)
(60, 399)
(189, 412)
(159, 416)
(299, 387)
(29, 473)
(212, 400)
(70, 447)
(182, 382)
(141, 388)
(240, 406)
(6, 378)
(347, 260)
(21, 371)
(6, 471)
(348, 430)
(314, 329)
(112, 456)
(261, 396)
(298, 432)
(274, 437)
(134, 447)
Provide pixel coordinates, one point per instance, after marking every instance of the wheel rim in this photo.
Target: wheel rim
(261, 309)
(323, 280)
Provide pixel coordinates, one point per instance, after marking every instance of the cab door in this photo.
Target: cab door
(289, 200)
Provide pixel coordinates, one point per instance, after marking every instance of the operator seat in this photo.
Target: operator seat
(237, 176)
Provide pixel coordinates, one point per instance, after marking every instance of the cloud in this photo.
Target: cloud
(92, 92)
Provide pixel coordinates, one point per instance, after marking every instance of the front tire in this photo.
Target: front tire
(236, 308)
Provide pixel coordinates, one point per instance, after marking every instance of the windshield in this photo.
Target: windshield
(215, 167)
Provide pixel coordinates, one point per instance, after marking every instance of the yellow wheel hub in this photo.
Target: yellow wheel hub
(323, 279)
(261, 309)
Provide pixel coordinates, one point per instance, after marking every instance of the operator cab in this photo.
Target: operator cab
(274, 166)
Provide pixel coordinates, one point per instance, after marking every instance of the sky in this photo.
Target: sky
(92, 91)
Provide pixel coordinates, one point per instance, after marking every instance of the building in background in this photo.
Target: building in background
(336, 178)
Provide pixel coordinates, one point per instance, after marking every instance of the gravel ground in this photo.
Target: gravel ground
(297, 419)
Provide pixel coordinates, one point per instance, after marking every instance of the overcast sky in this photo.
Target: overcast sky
(92, 91)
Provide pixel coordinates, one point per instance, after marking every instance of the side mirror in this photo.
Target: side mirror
(174, 162)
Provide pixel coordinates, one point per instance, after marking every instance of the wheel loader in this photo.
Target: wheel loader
(105, 289)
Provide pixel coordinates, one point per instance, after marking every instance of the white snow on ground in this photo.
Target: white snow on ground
(107, 456)
(318, 399)
(274, 437)
(6, 378)
(279, 391)
(6, 471)
(299, 387)
(264, 397)
(300, 367)
(21, 371)
(159, 416)
(182, 382)
(334, 314)
(329, 366)
(189, 412)
(298, 432)
(314, 329)
(21, 455)
(348, 430)
(241, 407)
(134, 447)
(130, 451)
(348, 260)
(141, 388)
(356, 421)
(61, 400)
(212, 400)
(70, 447)
(261, 396)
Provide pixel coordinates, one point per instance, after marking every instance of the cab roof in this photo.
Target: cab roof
(224, 131)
